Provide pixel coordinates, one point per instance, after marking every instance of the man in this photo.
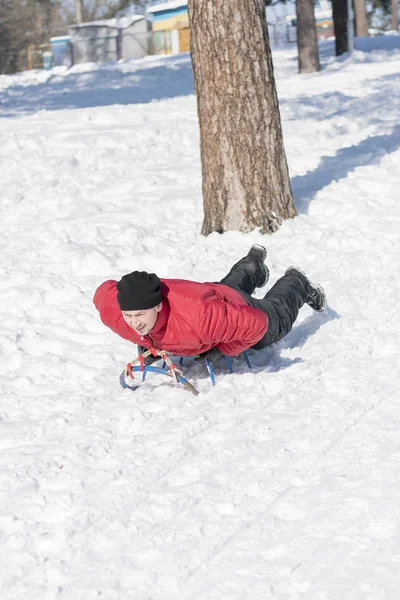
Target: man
(187, 318)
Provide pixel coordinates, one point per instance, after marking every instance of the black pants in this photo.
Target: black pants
(282, 303)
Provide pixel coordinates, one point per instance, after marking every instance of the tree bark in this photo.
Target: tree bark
(395, 15)
(78, 11)
(307, 42)
(245, 175)
(339, 11)
(360, 12)
(56, 26)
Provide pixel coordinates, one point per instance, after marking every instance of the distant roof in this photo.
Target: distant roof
(121, 22)
(59, 38)
(167, 6)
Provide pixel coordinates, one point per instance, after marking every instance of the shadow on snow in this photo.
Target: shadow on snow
(333, 168)
(270, 359)
(104, 86)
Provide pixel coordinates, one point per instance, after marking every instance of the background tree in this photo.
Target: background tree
(244, 169)
(23, 23)
(34, 22)
(78, 11)
(360, 12)
(113, 7)
(339, 12)
(307, 41)
(395, 15)
(383, 14)
(91, 10)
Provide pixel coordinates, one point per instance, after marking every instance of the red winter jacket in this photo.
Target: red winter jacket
(194, 318)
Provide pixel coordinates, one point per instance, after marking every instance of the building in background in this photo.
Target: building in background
(111, 39)
(165, 30)
(170, 25)
(61, 50)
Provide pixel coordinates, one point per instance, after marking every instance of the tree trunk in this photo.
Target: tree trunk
(361, 18)
(395, 15)
(245, 175)
(78, 11)
(307, 42)
(339, 11)
(56, 26)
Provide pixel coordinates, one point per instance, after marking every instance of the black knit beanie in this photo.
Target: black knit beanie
(138, 291)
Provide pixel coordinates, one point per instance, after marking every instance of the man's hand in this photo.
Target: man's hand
(149, 360)
(211, 355)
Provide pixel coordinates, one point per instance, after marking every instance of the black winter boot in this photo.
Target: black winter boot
(260, 253)
(316, 298)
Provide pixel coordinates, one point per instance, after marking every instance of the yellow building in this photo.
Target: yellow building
(170, 25)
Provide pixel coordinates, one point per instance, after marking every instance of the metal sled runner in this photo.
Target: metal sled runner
(168, 368)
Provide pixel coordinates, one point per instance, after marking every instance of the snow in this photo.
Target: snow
(389, 41)
(280, 482)
(170, 5)
(122, 22)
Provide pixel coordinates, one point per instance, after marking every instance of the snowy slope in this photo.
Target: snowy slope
(282, 482)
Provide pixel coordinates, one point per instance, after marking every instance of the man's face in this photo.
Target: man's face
(142, 321)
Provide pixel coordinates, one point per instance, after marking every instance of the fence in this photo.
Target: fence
(39, 57)
(13, 60)
(95, 48)
(102, 46)
(284, 32)
(35, 56)
(103, 43)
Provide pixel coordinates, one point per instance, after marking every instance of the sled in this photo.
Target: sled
(169, 369)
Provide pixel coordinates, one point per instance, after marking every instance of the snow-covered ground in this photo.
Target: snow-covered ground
(282, 482)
